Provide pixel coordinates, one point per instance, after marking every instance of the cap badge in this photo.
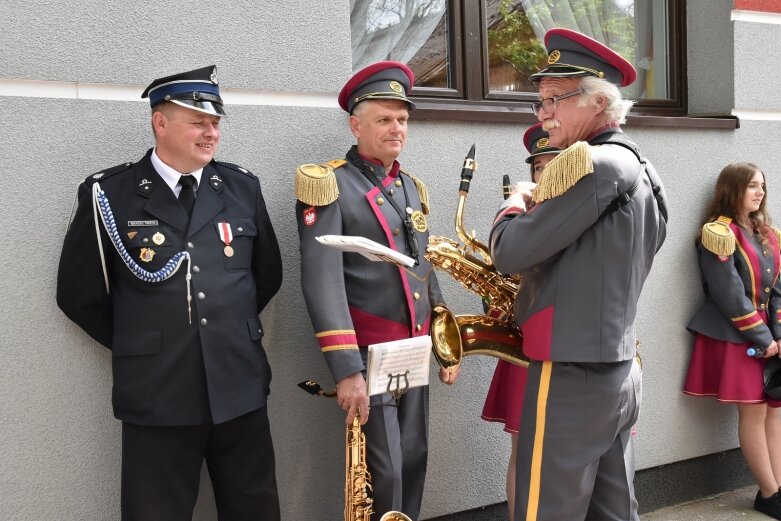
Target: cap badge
(554, 56)
(396, 87)
(213, 76)
(542, 143)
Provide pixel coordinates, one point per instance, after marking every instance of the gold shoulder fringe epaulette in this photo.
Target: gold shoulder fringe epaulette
(566, 169)
(778, 234)
(316, 184)
(422, 192)
(717, 237)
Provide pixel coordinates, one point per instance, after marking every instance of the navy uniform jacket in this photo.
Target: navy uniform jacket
(166, 370)
(582, 274)
(738, 287)
(351, 300)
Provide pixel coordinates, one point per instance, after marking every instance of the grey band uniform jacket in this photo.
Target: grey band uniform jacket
(738, 287)
(351, 300)
(582, 274)
(167, 371)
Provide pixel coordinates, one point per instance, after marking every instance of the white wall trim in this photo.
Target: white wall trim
(738, 15)
(757, 115)
(110, 92)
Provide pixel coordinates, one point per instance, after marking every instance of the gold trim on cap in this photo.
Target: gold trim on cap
(396, 86)
(542, 142)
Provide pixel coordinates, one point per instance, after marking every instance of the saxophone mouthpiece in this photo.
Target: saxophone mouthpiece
(506, 186)
(467, 171)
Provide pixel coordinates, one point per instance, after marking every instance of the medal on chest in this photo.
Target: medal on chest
(226, 236)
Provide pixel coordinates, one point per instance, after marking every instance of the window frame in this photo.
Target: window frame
(470, 99)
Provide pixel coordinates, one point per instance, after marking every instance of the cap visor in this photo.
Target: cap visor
(207, 107)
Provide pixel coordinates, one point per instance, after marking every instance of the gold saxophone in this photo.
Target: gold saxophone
(357, 482)
(470, 264)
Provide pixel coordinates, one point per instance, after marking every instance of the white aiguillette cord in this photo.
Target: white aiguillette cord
(100, 206)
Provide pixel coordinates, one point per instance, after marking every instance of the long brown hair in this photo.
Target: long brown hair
(728, 198)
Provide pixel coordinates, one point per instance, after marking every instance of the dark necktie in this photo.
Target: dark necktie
(187, 195)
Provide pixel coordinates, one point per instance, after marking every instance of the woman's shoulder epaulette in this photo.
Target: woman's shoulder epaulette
(563, 171)
(316, 184)
(777, 232)
(718, 238)
(422, 191)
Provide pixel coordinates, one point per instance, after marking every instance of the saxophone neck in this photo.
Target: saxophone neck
(469, 240)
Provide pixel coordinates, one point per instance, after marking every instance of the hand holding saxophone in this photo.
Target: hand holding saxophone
(521, 194)
(352, 397)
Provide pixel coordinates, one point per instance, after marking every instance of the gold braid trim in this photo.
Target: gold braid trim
(718, 238)
(422, 193)
(316, 184)
(778, 233)
(563, 171)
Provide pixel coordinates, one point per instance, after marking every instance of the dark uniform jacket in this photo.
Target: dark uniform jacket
(582, 273)
(351, 300)
(740, 290)
(166, 370)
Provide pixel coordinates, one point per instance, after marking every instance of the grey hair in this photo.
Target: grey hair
(595, 88)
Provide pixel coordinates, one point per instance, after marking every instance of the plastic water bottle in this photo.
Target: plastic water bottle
(756, 352)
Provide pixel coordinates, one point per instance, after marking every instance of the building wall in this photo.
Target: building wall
(70, 79)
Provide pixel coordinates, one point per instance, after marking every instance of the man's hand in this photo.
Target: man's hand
(771, 350)
(450, 375)
(352, 397)
(521, 194)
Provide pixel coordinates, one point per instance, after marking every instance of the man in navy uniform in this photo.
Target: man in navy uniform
(354, 302)
(173, 285)
(584, 250)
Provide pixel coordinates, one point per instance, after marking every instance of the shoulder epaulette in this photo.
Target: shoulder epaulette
(563, 171)
(336, 163)
(236, 168)
(422, 192)
(777, 232)
(717, 237)
(108, 172)
(316, 184)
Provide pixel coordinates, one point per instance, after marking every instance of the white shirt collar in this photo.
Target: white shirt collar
(171, 176)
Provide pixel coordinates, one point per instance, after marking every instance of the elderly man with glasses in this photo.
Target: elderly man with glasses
(584, 250)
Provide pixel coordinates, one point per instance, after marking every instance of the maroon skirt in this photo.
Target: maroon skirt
(505, 396)
(724, 370)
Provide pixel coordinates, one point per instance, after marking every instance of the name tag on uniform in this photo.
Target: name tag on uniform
(142, 223)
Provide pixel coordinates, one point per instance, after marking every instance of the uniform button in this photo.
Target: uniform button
(390, 191)
(761, 306)
(201, 295)
(196, 269)
(204, 321)
(767, 290)
(416, 295)
(239, 229)
(768, 270)
(145, 240)
(380, 200)
(398, 182)
(190, 246)
(418, 327)
(396, 231)
(764, 253)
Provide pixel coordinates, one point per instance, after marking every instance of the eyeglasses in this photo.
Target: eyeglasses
(549, 104)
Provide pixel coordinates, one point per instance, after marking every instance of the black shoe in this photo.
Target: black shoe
(770, 506)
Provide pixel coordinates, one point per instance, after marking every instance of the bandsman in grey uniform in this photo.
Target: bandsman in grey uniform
(584, 250)
(354, 302)
(168, 262)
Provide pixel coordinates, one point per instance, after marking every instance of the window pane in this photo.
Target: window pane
(636, 29)
(414, 32)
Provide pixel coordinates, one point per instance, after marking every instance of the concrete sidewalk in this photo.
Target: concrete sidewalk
(729, 506)
(736, 505)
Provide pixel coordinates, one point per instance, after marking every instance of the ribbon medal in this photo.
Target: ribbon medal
(226, 236)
